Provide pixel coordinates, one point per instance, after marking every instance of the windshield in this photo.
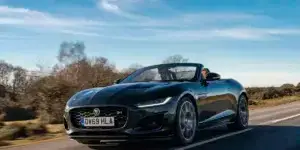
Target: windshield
(163, 73)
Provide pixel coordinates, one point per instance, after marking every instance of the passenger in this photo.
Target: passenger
(205, 72)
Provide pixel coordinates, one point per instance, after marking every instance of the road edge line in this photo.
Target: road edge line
(214, 139)
(279, 120)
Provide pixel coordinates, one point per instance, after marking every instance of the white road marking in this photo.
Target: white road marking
(275, 109)
(269, 114)
(279, 120)
(214, 139)
(235, 133)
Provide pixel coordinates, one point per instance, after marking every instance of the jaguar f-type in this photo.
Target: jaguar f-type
(159, 102)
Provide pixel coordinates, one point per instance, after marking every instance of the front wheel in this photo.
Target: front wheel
(242, 117)
(186, 121)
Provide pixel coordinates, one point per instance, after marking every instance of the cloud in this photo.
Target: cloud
(4, 36)
(27, 17)
(218, 16)
(179, 27)
(109, 7)
(79, 33)
(169, 35)
(13, 37)
(112, 7)
(255, 33)
(236, 33)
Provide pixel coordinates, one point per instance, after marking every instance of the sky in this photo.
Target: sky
(253, 41)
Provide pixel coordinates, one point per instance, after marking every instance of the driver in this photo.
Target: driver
(205, 72)
(165, 74)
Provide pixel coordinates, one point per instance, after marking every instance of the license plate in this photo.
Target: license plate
(98, 121)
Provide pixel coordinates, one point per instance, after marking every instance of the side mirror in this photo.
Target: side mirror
(117, 81)
(213, 76)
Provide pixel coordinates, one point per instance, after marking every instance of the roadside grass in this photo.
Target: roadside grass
(31, 139)
(24, 132)
(254, 104)
(3, 143)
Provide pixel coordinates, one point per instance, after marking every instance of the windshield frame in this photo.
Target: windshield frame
(196, 78)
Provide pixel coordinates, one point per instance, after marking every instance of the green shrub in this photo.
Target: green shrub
(272, 92)
(287, 89)
(35, 129)
(12, 132)
(255, 93)
(2, 143)
(22, 114)
(15, 130)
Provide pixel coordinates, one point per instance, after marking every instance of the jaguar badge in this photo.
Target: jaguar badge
(96, 112)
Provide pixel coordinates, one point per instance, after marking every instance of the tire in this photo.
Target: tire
(102, 148)
(105, 146)
(94, 147)
(188, 126)
(240, 121)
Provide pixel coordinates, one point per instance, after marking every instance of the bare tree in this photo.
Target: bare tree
(2, 91)
(5, 72)
(134, 67)
(298, 85)
(70, 52)
(19, 80)
(175, 59)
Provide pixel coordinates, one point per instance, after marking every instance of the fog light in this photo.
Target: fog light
(151, 122)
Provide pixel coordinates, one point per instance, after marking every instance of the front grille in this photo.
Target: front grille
(119, 114)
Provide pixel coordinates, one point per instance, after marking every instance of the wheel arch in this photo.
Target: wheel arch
(243, 92)
(193, 98)
(246, 95)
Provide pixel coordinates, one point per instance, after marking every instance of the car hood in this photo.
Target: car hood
(121, 94)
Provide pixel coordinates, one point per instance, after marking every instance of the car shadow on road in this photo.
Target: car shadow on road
(261, 137)
(167, 144)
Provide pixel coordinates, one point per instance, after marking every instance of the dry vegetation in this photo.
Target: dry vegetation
(270, 96)
(42, 97)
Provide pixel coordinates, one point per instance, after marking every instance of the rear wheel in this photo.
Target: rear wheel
(241, 120)
(95, 147)
(101, 147)
(186, 121)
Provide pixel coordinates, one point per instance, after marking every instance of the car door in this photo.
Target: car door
(213, 98)
(217, 96)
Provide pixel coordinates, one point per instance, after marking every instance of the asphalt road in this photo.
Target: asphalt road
(276, 128)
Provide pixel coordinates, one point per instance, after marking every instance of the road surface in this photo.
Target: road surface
(276, 128)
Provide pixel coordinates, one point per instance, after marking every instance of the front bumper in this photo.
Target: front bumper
(152, 123)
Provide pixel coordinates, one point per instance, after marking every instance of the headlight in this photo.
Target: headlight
(67, 108)
(157, 102)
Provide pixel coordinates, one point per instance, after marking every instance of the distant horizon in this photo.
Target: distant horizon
(254, 42)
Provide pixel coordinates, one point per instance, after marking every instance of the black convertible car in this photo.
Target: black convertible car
(165, 101)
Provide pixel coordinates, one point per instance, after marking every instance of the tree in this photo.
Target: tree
(5, 72)
(70, 52)
(2, 91)
(298, 85)
(287, 85)
(288, 89)
(175, 59)
(19, 80)
(134, 67)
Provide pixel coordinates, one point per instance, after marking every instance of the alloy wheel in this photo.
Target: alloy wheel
(187, 120)
(243, 111)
